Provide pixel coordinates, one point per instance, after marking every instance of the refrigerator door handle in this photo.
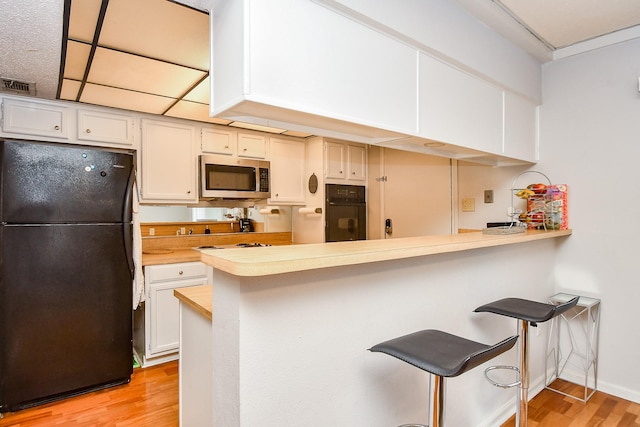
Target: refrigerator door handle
(128, 248)
(128, 197)
(126, 222)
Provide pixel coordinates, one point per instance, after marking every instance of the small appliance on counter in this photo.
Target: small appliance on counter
(246, 225)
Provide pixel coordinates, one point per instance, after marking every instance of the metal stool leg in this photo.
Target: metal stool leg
(438, 401)
(522, 400)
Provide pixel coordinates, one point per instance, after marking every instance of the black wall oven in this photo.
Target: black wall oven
(346, 213)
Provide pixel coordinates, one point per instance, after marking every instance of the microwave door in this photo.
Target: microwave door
(230, 178)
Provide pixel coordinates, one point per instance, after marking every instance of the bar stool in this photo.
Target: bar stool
(527, 312)
(443, 355)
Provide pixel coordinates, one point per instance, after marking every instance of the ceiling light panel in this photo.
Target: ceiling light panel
(200, 93)
(194, 111)
(75, 62)
(125, 99)
(69, 89)
(126, 71)
(171, 32)
(83, 19)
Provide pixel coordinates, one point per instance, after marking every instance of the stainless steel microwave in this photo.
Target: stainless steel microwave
(223, 177)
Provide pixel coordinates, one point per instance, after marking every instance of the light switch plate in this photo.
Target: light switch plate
(468, 205)
(488, 196)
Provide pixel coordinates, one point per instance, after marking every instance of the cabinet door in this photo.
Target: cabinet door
(168, 162)
(351, 72)
(357, 162)
(250, 145)
(34, 118)
(335, 160)
(458, 108)
(287, 171)
(105, 127)
(164, 315)
(218, 141)
(520, 128)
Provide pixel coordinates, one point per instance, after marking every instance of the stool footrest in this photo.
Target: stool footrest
(502, 385)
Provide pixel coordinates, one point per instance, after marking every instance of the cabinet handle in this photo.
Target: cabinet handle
(188, 191)
(244, 149)
(340, 172)
(180, 272)
(353, 173)
(56, 127)
(88, 131)
(226, 147)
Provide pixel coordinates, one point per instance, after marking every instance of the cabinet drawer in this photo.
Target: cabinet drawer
(187, 270)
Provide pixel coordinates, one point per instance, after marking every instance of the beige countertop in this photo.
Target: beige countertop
(199, 298)
(169, 256)
(284, 259)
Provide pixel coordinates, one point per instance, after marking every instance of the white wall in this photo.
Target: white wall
(590, 139)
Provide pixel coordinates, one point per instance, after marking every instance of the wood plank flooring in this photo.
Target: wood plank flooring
(551, 409)
(151, 399)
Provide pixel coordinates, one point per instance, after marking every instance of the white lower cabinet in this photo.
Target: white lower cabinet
(157, 320)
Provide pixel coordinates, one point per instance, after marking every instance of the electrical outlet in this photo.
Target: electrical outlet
(488, 196)
(468, 205)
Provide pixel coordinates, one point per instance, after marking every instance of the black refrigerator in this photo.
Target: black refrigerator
(66, 271)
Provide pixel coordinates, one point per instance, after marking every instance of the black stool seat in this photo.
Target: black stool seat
(532, 311)
(441, 353)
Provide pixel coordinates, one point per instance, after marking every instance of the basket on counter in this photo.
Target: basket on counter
(545, 205)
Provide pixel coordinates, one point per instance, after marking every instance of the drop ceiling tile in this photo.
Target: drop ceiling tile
(200, 93)
(125, 99)
(563, 23)
(171, 32)
(194, 111)
(69, 89)
(76, 60)
(122, 70)
(83, 19)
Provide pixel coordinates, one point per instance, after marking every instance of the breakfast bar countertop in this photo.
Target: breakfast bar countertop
(286, 259)
(199, 298)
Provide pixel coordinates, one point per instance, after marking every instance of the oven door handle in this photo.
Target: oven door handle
(347, 204)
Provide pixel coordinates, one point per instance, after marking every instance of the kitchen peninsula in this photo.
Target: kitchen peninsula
(291, 326)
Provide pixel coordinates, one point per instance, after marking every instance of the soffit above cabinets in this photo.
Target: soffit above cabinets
(150, 56)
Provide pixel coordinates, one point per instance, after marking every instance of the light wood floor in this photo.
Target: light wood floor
(151, 399)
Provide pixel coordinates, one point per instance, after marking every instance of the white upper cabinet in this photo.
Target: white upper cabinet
(101, 126)
(218, 141)
(35, 118)
(335, 159)
(335, 68)
(520, 128)
(357, 155)
(287, 171)
(252, 145)
(168, 162)
(345, 162)
(457, 108)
